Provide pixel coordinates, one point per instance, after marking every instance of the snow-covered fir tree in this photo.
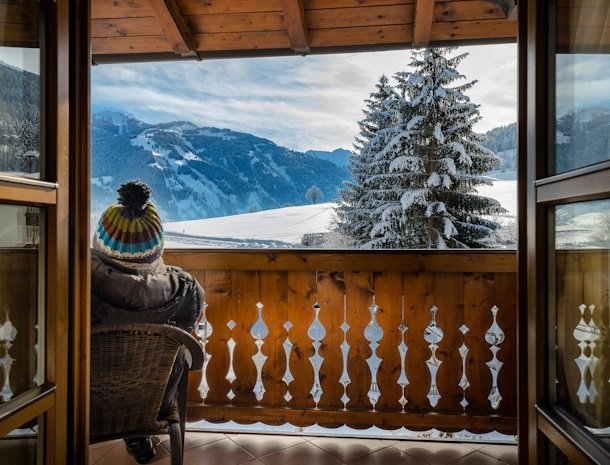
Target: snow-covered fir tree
(419, 181)
(361, 198)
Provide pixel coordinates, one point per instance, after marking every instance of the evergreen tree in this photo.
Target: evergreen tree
(359, 199)
(419, 180)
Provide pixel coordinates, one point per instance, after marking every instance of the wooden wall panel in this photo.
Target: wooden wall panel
(242, 41)
(189, 7)
(104, 9)
(236, 22)
(388, 296)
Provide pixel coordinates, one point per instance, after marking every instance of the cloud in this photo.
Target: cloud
(302, 103)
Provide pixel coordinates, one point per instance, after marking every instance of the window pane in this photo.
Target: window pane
(21, 330)
(20, 89)
(21, 446)
(582, 131)
(582, 241)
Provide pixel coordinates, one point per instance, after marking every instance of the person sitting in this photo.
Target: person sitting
(131, 284)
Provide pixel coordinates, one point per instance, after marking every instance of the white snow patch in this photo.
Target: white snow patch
(561, 138)
(410, 197)
(438, 134)
(414, 121)
(281, 224)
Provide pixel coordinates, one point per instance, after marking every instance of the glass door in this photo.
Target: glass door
(569, 244)
(33, 232)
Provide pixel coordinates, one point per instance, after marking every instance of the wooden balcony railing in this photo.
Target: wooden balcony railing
(414, 339)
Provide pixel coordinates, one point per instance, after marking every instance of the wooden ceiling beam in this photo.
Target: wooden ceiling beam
(296, 25)
(176, 30)
(424, 14)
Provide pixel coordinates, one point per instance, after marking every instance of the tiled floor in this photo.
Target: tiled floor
(251, 449)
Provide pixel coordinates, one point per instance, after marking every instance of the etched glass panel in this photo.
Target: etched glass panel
(582, 313)
(582, 67)
(20, 89)
(20, 308)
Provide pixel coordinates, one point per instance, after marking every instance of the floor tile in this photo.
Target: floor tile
(301, 454)
(223, 452)
(390, 442)
(477, 458)
(264, 444)
(434, 453)
(119, 456)
(387, 456)
(348, 449)
(101, 449)
(193, 440)
(505, 453)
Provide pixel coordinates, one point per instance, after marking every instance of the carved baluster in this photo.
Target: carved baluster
(345, 379)
(403, 381)
(433, 335)
(582, 333)
(373, 333)
(259, 331)
(597, 338)
(316, 333)
(287, 378)
(230, 377)
(204, 330)
(464, 383)
(7, 335)
(494, 337)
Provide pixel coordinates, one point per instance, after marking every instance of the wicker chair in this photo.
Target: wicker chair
(130, 368)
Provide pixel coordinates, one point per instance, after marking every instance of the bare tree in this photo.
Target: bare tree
(314, 193)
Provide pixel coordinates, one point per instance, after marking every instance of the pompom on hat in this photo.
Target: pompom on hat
(130, 230)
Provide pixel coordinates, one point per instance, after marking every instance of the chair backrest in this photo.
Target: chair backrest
(130, 368)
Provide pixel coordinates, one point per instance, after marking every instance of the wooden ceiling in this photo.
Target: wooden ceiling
(135, 30)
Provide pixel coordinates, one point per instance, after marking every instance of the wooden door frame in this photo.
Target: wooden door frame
(80, 261)
(51, 398)
(541, 423)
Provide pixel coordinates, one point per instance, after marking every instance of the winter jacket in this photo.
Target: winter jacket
(146, 293)
(124, 292)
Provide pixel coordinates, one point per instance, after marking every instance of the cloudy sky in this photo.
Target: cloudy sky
(311, 102)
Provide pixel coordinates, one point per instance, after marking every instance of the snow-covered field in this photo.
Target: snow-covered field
(268, 228)
(284, 227)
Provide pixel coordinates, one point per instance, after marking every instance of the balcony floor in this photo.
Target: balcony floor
(251, 449)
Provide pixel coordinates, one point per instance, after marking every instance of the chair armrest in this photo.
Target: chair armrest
(195, 351)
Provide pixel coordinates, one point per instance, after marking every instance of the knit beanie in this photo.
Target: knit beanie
(131, 229)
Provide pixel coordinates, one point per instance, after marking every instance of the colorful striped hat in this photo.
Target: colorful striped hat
(130, 230)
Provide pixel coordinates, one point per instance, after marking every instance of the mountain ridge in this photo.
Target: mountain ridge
(202, 172)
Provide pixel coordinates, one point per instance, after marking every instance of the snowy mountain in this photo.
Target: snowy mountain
(202, 172)
(337, 156)
(582, 138)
